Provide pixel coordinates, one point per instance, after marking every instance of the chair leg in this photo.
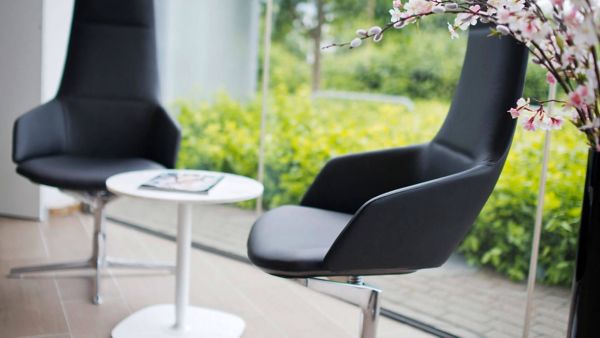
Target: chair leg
(99, 261)
(112, 262)
(76, 265)
(99, 248)
(354, 292)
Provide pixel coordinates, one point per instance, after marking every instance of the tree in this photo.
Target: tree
(311, 17)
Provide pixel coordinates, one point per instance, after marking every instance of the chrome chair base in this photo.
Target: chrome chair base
(99, 260)
(354, 292)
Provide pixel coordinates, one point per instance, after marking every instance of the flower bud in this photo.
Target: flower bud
(503, 29)
(361, 33)
(355, 42)
(374, 30)
(439, 9)
(378, 37)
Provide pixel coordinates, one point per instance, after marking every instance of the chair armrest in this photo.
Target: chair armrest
(414, 227)
(39, 132)
(347, 182)
(166, 137)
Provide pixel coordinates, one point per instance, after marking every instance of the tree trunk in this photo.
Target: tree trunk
(317, 35)
(371, 10)
(584, 318)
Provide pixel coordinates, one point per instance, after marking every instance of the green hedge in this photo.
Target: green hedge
(304, 134)
(416, 63)
(502, 235)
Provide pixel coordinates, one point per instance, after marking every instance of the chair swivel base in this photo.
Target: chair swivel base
(94, 264)
(354, 292)
(99, 260)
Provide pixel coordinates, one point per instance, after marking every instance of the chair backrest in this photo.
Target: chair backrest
(109, 90)
(478, 128)
(419, 225)
(112, 51)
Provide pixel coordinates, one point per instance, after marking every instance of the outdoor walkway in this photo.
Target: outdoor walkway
(462, 300)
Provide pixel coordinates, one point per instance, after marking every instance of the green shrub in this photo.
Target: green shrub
(501, 237)
(416, 63)
(304, 134)
(422, 64)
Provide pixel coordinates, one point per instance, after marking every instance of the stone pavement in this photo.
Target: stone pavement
(462, 300)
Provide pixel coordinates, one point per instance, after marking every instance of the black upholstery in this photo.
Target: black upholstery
(399, 210)
(106, 117)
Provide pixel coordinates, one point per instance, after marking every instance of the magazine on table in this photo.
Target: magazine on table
(190, 182)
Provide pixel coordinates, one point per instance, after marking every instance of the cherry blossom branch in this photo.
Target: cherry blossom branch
(564, 42)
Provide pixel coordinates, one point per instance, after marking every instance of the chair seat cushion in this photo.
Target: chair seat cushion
(79, 173)
(292, 241)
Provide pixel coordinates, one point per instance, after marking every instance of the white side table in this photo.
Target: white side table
(181, 319)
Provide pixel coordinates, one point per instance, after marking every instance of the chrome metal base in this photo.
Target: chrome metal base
(354, 292)
(99, 261)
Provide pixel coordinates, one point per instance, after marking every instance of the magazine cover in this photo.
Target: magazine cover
(183, 182)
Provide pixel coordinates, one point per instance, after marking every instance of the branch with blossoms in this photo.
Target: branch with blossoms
(562, 36)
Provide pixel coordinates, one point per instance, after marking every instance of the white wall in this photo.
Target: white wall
(55, 38)
(20, 90)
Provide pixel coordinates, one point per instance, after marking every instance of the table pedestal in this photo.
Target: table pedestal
(180, 320)
(157, 321)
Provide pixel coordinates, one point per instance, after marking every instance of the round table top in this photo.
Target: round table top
(231, 189)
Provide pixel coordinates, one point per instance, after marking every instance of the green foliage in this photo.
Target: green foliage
(423, 64)
(304, 134)
(535, 82)
(501, 237)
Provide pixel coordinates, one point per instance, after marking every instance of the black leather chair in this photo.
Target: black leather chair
(400, 210)
(105, 119)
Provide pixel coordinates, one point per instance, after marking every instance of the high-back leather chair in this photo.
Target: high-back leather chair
(400, 210)
(105, 119)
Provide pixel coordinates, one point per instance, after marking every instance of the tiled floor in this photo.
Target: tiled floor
(53, 306)
(462, 300)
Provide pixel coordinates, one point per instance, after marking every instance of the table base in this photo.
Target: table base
(158, 321)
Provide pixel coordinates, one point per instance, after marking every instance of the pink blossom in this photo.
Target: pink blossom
(550, 78)
(514, 112)
(557, 122)
(464, 20)
(415, 7)
(530, 124)
(395, 14)
(554, 123)
(503, 16)
(575, 100)
(452, 30)
(521, 105)
(572, 18)
(397, 4)
(581, 97)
